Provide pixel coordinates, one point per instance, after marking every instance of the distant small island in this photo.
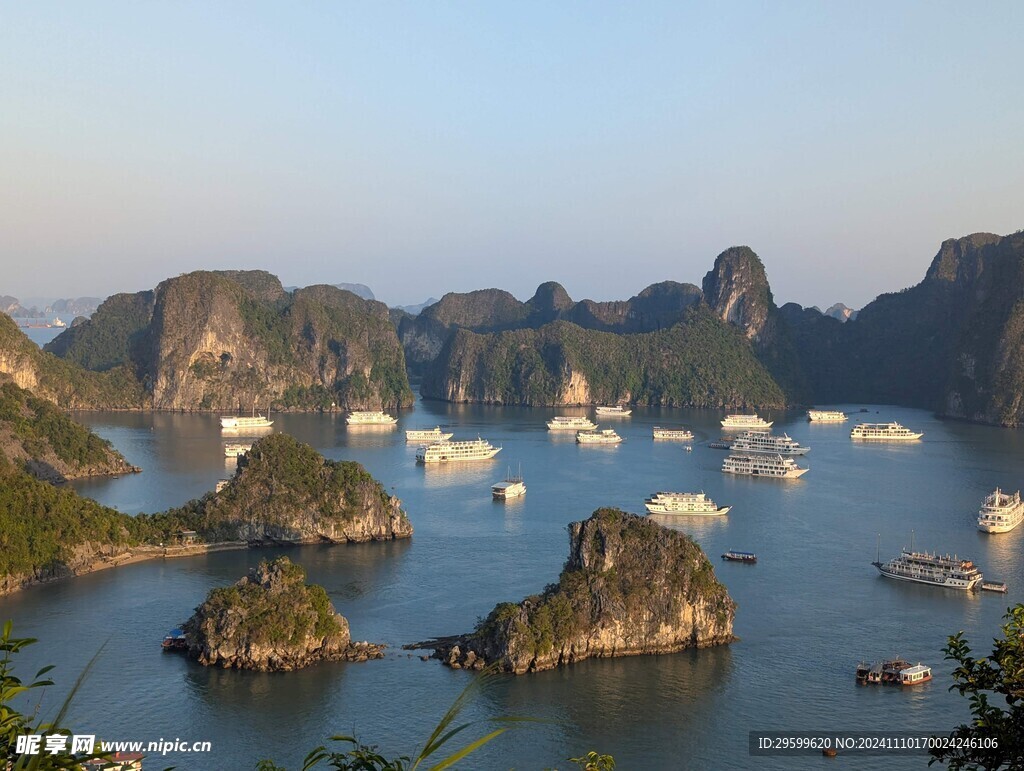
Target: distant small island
(272, 621)
(630, 587)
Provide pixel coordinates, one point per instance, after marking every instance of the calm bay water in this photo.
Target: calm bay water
(808, 611)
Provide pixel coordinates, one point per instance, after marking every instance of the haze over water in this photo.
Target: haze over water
(808, 611)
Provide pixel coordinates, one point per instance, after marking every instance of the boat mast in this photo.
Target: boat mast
(878, 547)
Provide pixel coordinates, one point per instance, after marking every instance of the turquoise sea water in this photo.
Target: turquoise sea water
(808, 611)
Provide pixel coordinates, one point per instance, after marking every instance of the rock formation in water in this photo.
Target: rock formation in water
(699, 362)
(285, 492)
(225, 340)
(272, 620)
(39, 437)
(630, 587)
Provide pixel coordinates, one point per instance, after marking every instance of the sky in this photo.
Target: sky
(421, 148)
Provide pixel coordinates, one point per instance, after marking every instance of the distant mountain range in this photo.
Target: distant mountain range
(72, 308)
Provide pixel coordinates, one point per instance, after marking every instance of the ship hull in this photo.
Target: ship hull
(1000, 528)
(792, 474)
(654, 508)
(427, 459)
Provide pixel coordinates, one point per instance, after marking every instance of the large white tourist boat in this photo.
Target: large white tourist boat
(762, 465)
(571, 423)
(1001, 512)
(370, 418)
(745, 422)
(605, 436)
(618, 409)
(684, 503)
(680, 434)
(886, 432)
(826, 416)
(924, 568)
(765, 441)
(245, 421)
(427, 435)
(512, 486)
(473, 449)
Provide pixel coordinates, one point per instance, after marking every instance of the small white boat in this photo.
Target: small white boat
(428, 435)
(618, 410)
(570, 423)
(370, 418)
(512, 486)
(745, 422)
(234, 450)
(605, 436)
(679, 434)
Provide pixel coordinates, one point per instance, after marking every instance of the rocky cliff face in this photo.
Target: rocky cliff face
(37, 436)
(699, 362)
(285, 492)
(736, 289)
(63, 382)
(229, 340)
(630, 587)
(271, 620)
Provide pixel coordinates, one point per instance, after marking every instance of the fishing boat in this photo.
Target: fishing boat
(512, 486)
(175, 641)
(740, 556)
(679, 434)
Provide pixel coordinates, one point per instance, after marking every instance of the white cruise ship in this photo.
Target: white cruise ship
(234, 450)
(762, 465)
(681, 434)
(886, 432)
(571, 423)
(826, 416)
(434, 434)
(618, 409)
(684, 503)
(923, 568)
(370, 418)
(1000, 512)
(745, 422)
(474, 449)
(245, 421)
(605, 436)
(765, 441)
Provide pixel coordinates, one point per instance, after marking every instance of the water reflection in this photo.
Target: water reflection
(455, 473)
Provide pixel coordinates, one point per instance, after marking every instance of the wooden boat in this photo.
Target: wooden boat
(175, 641)
(740, 556)
(993, 586)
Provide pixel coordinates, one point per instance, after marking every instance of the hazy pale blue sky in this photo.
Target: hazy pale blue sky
(430, 147)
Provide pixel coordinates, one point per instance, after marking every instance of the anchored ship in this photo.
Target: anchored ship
(681, 434)
(765, 441)
(618, 409)
(570, 422)
(893, 671)
(740, 556)
(762, 465)
(370, 418)
(684, 503)
(1000, 512)
(887, 432)
(245, 421)
(605, 436)
(427, 435)
(234, 450)
(474, 449)
(510, 487)
(745, 422)
(826, 416)
(934, 569)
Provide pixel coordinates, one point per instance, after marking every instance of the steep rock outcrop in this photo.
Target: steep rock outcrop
(737, 290)
(271, 620)
(629, 587)
(285, 492)
(699, 362)
(48, 444)
(227, 340)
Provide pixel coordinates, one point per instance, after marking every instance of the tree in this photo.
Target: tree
(995, 736)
